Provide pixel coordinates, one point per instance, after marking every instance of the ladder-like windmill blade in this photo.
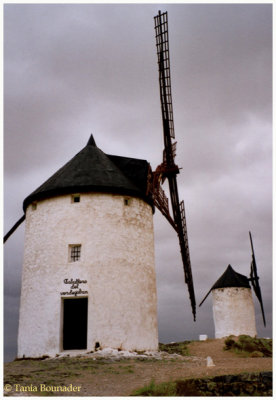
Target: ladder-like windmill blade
(170, 170)
(15, 226)
(255, 279)
(180, 221)
(162, 44)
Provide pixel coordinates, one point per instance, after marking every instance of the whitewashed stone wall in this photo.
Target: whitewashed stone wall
(117, 260)
(233, 312)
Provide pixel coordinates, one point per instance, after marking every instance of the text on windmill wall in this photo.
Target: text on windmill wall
(74, 288)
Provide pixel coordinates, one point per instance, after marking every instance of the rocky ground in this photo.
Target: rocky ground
(116, 373)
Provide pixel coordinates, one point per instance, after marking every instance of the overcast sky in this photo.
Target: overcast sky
(73, 70)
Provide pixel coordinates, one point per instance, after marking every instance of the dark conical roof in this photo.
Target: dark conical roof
(230, 278)
(91, 141)
(91, 170)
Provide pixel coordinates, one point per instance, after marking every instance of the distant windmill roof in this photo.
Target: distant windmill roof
(91, 170)
(230, 278)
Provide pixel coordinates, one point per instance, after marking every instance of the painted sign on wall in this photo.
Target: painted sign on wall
(74, 287)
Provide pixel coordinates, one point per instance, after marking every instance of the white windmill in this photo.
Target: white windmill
(233, 307)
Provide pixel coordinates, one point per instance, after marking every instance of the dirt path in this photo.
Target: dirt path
(119, 378)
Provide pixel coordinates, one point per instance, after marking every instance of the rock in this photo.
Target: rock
(210, 362)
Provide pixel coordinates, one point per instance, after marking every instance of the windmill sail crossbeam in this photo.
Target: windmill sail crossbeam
(188, 272)
(180, 221)
(184, 248)
(184, 226)
(161, 199)
(16, 225)
(173, 147)
(167, 113)
(158, 195)
(162, 203)
(166, 102)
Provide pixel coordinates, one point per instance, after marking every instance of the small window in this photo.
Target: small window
(75, 198)
(74, 252)
(34, 206)
(126, 201)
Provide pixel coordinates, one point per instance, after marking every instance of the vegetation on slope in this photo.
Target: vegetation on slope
(248, 346)
(247, 384)
(176, 348)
